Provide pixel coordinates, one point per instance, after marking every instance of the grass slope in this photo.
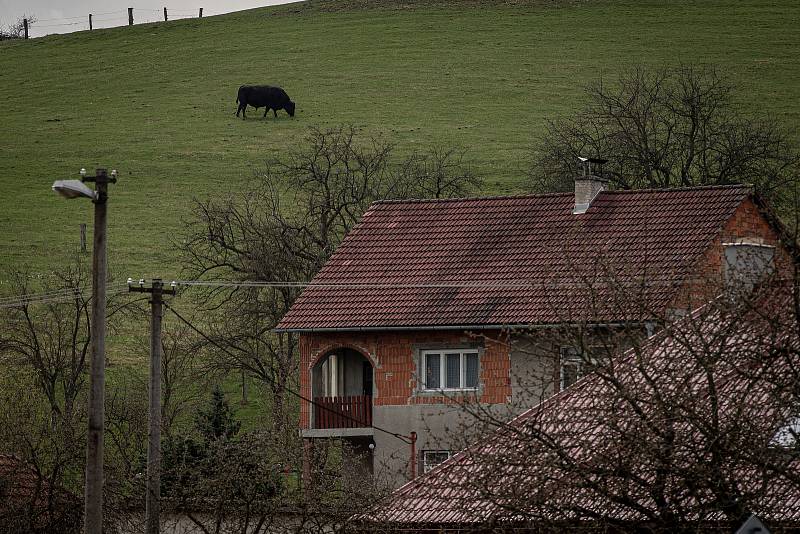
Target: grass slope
(156, 101)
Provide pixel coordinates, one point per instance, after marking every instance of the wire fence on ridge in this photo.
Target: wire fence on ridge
(108, 19)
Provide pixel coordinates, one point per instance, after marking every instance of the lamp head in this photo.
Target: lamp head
(73, 189)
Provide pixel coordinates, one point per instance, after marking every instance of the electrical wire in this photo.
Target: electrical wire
(62, 18)
(401, 437)
(58, 25)
(57, 296)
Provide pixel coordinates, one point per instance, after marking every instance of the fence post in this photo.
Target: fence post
(165, 14)
(130, 16)
(83, 231)
(201, 12)
(90, 22)
(25, 24)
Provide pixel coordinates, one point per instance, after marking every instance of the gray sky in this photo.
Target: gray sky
(69, 16)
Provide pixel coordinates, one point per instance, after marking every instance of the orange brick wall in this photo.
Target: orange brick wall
(708, 277)
(393, 359)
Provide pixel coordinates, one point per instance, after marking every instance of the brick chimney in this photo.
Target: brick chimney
(588, 185)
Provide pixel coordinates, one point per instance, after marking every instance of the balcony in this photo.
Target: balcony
(343, 412)
(341, 386)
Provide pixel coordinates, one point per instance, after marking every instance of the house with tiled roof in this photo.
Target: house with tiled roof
(694, 430)
(429, 304)
(30, 503)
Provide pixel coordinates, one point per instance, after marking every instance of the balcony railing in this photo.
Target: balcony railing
(343, 412)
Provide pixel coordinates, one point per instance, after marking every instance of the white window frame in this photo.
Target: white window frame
(427, 466)
(570, 355)
(442, 353)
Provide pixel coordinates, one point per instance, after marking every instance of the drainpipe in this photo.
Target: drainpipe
(413, 455)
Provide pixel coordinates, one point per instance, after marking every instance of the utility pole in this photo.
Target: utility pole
(153, 497)
(25, 26)
(93, 507)
(130, 16)
(97, 389)
(90, 22)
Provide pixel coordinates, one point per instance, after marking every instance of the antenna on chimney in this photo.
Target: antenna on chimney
(583, 164)
(586, 163)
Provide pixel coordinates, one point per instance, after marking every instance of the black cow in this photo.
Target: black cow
(264, 96)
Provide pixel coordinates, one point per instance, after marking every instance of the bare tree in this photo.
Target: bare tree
(286, 228)
(38, 462)
(17, 29)
(45, 334)
(668, 127)
(51, 339)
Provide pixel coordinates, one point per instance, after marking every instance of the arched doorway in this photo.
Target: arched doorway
(342, 388)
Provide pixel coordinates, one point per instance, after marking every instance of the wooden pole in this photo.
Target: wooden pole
(25, 25)
(201, 12)
(153, 501)
(83, 237)
(90, 22)
(165, 14)
(93, 518)
(153, 496)
(130, 16)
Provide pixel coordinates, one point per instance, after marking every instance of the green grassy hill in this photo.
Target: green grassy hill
(156, 101)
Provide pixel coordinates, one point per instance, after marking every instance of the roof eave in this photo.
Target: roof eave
(517, 326)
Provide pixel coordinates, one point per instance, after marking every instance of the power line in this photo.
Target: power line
(57, 25)
(62, 18)
(46, 298)
(401, 437)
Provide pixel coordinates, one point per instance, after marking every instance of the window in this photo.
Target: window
(574, 365)
(788, 435)
(450, 369)
(431, 459)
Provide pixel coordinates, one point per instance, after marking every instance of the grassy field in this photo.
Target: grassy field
(156, 101)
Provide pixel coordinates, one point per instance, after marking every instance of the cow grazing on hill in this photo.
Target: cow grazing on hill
(265, 96)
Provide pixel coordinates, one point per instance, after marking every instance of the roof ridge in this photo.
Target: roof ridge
(474, 198)
(682, 188)
(558, 194)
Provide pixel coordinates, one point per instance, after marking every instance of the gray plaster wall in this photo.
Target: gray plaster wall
(451, 427)
(534, 370)
(535, 375)
(438, 427)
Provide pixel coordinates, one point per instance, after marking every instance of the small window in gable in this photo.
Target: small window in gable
(431, 459)
(574, 365)
(450, 369)
(788, 436)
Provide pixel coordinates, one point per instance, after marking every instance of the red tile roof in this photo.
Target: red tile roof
(508, 260)
(593, 451)
(29, 503)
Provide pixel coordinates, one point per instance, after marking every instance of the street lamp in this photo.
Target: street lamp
(93, 505)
